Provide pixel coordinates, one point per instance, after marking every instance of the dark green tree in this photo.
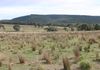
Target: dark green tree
(16, 27)
(83, 27)
(97, 27)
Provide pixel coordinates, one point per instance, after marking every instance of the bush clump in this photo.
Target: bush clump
(85, 65)
(51, 28)
(16, 27)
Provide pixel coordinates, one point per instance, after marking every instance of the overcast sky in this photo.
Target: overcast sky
(15, 8)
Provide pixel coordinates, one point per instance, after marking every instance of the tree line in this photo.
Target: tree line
(52, 26)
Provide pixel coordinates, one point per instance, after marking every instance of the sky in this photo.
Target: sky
(14, 8)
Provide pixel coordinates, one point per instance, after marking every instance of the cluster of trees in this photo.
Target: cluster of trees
(53, 27)
(15, 27)
(78, 27)
(88, 27)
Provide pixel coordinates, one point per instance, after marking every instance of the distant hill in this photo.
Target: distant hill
(56, 19)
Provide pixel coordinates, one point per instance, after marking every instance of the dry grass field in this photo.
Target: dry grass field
(24, 28)
(50, 50)
(27, 28)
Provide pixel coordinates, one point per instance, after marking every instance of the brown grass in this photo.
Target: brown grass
(47, 58)
(21, 59)
(66, 64)
(9, 66)
(0, 63)
(77, 54)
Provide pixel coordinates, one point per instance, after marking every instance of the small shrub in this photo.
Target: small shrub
(40, 68)
(65, 28)
(84, 65)
(9, 67)
(10, 64)
(40, 51)
(51, 28)
(66, 64)
(87, 49)
(21, 59)
(33, 48)
(97, 57)
(0, 63)
(80, 48)
(77, 54)
(37, 67)
(2, 26)
(92, 40)
(47, 58)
